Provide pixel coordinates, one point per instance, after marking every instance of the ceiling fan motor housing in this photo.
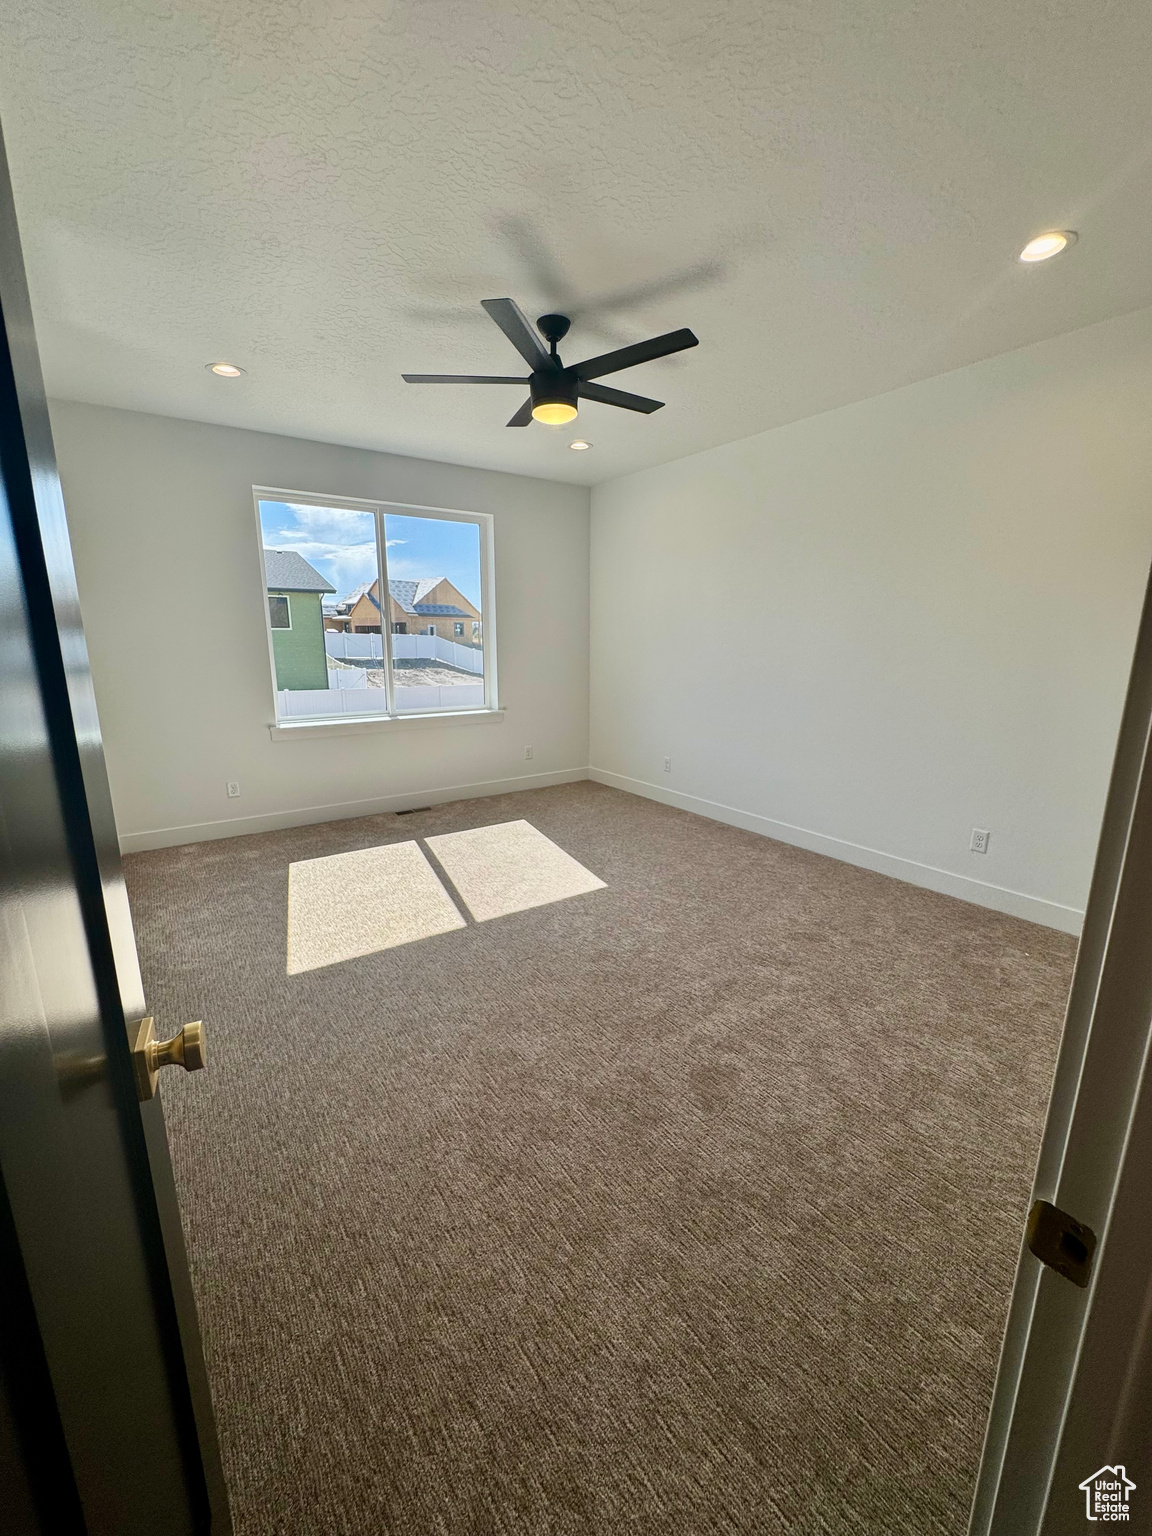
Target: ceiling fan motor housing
(549, 386)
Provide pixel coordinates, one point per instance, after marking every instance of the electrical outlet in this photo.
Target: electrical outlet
(980, 840)
(527, 754)
(233, 789)
(667, 765)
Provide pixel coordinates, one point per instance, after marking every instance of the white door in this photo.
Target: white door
(1069, 1438)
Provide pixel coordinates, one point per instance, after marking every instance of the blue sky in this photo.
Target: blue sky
(341, 545)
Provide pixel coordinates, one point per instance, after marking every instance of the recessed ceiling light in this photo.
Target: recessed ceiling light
(579, 445)
(1050, 244)
(225, 370)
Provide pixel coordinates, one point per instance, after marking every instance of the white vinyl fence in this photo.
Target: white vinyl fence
(346, 647)
(353, 699)
(350, 693)
(348, 677)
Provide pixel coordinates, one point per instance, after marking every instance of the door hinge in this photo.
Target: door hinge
(1060, 1241)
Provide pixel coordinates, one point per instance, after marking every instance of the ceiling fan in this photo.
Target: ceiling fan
(554, 389)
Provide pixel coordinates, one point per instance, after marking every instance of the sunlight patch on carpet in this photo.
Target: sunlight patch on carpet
(509, 868)
(353, 904)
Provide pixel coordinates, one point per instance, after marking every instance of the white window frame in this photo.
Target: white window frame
(483, 521)
(278, 629)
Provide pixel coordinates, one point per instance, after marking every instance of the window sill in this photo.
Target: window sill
(307, 730)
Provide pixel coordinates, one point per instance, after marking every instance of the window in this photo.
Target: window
(374, 587)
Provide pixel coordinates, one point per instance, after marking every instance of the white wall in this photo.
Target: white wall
(164, 536)
(917, 616)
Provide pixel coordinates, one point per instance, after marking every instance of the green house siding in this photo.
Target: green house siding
(299, 651)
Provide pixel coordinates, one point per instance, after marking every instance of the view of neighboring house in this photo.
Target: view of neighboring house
(429, 606)
(295, 593)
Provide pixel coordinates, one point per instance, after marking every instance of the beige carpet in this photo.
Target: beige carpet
(687, 1205)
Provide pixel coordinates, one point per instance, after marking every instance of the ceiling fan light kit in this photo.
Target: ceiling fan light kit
(553, 400)
(554, 392)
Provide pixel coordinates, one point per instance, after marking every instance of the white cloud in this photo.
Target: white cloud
(316, 549)
(335, 525)
(329, 526)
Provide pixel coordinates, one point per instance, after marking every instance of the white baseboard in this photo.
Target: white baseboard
(1015, 903)
(273, 821)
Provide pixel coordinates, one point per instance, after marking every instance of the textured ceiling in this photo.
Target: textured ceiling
(831, 193)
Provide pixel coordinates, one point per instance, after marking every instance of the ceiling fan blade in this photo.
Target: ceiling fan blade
(458, 378)
(524, 415)
(519, 330)
(640, 352)
(621, 397)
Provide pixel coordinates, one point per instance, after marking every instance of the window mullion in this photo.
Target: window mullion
(487, 628)
(385, 611)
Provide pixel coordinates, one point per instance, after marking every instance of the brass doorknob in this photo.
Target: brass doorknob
(185, 1049)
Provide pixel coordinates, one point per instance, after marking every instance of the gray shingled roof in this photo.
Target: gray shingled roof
(408, 593)
(286, 571)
